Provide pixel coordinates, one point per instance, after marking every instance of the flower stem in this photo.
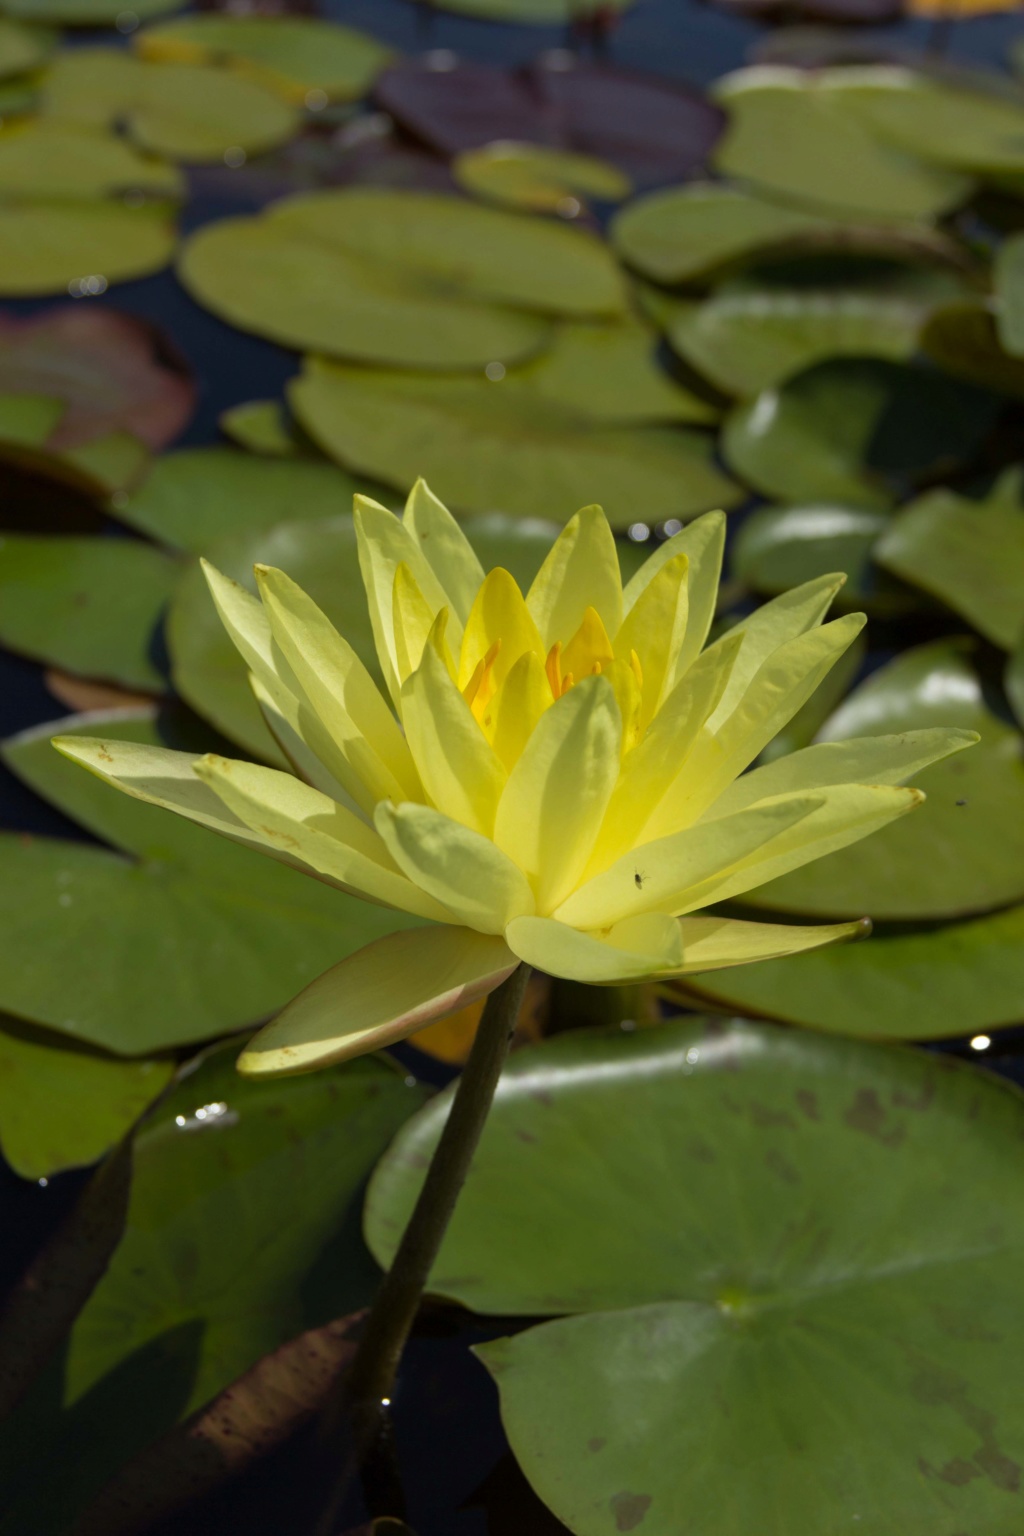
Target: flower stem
(391, 1317)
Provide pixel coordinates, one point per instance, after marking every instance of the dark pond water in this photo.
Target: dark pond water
(460, 1479)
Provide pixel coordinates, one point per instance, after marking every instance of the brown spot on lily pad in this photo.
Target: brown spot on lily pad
(598, 1443)
(807, 1102)
(867, 1114)
(629, 1509)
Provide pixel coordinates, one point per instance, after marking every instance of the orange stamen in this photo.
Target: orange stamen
(553, 668)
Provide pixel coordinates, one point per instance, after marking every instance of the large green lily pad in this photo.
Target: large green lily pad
(792, 135)
(857, 430)
(963, 850)
(797, 1263)
(23, 48)
(88, 606)
(84, 13)
(51, 159)
(685, 234)
(184, 111)
(46, 247)
(292, 55)
(62, 1105)
(193, 498)
(485, 445)
(963, 339)
(959, 979)
(241, 1232)
(177, 936)
(781, 547)
(748, 341)
(968, 553)
(979, 133)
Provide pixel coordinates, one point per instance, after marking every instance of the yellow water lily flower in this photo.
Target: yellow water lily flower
(559, 777)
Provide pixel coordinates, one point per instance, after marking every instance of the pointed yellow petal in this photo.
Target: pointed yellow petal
(581, 571)
(384, 543)
(684, 871)
(413, 620)
(589, 649)
(445, 547)
(556, 795)
(712, 943)
(243, 617)
(524, 697)
(381, 994)
(703, 543)
(299, 753)
(370, 757)
(499, 613)
(865, 760)
(473, 878)
(785, 682)
(639, 948)
(628, 697)
(458, 766)
(309, 829)
(655, 629)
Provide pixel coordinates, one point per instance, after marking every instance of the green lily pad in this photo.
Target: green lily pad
(858, 431)
(291, 55)
(793, 1253)
(177, 936)
(963, 850)
(748, 341)
(23, 48)
(85, 13)
(261, 426)
(609, 372)
(686, 234)
(241, 1232)
(959, 979)
(781, 547)
(47, 247)
(196, 496)
(970, 554)
(486, 444)
(792, 135)
(1013, 682)
(1008, 275)
(538, 178)
(62, 1105)
(935, 119)
(963, 339)
(88, 606)
(49, 159)
(184, 111)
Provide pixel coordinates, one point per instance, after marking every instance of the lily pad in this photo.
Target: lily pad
(963, 339)
(1013, 682)
(261, 426)
(50, 159)
(89, 606)
(748, 341)
(970, 554)
(23, 48)
(609, 372)
(781, 547)
(177, 936)
(184, 111)
(537, 178)
(196, 496)
(485, 445)
(454, 104)
(959, 979)
(1008, 274)
(775, 1264)
(49, 247)
(860, 431)
(291, 55)
(963, 850)
(792, 135)
(240, 1234)
(937, 120)
(84, 13)
(64, 1106)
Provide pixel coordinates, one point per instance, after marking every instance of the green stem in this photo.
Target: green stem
(371, 1378)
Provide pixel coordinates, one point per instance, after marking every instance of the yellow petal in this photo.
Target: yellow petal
(785, 681)
(413, 620)
(557, 793)
(672, 874)
(474, 879)
(639, 948)
(370, 757)
(384, 543)
(581, 571)
(773, 625)
(589, 650)
(655, 628)
(703, 543)
(524, 697)
(381, 994)
(865, 760)
(309, 829)
(445, 547)
(499, 613)
(712, 943)
(243, 617)
(299, 753)
(458, 766)
(628, 697)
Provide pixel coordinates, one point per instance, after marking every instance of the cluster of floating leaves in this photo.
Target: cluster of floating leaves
(801, 298)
